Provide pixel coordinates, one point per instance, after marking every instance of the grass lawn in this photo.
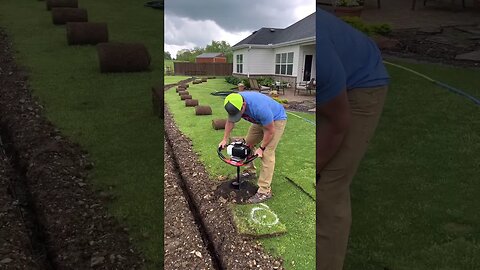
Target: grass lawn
(295, 158)
(415, 197)
(109, 115)
(174, 79)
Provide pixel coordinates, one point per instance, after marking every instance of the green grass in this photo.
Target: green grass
(109, 115)
(257, 220)
(415, 197)
(174, 79)
(295, 158)
(168, 64)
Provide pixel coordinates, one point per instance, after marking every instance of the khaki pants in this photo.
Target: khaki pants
(333, 188)
(255, 136)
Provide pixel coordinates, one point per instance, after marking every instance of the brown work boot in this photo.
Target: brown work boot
(259, 197)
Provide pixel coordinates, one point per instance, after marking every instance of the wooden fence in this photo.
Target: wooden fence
(202, 69)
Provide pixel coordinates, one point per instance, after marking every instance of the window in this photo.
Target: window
(239, 63)
(284, 63)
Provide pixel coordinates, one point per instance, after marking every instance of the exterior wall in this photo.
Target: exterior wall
(261, 62)
(211, 60)
(220, 60)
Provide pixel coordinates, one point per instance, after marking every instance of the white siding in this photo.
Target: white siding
(260, 61)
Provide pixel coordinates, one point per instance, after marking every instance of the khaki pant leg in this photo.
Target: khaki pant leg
(333, 189)
(268, 159)
(254, 136)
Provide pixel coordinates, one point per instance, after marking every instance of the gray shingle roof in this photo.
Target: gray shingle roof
(304, 28)
(209, 55)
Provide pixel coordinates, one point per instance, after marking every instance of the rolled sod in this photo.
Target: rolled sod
(64, 15)
(219, 123)
(61, 3)
(191, 102)
(203, 110)
(158, 101)
(195, 82)
(80, 33)
(181, 93)
(204, 79)
(123, 57)
(184, 85)
(178, 89)
(211, 77)
(257, 220)
(184, 97)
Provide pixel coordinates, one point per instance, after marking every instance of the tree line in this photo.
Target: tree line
(189, 55)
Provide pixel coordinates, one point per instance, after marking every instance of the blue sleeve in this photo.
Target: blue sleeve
(265, 117)
(331, 77)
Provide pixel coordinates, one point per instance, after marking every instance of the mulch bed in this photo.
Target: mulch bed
(233, 251)
(440, 45)
(79, 232)
(184, 248)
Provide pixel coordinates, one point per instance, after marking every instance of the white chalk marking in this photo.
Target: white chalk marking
(260, 220)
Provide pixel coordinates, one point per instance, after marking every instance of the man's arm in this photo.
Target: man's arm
(333, 112)
(226, 134)
(334, 120)
(268, 132)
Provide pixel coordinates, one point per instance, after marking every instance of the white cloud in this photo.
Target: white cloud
(185, 33)
(194, 23)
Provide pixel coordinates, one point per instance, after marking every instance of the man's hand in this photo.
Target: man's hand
(222, 144)
(259, 152)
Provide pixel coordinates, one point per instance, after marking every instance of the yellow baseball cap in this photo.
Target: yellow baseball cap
(233, 105)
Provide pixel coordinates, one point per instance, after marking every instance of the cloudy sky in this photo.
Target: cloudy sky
(195, 23)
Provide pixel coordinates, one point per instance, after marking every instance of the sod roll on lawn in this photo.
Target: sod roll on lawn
(123, 57)
(181, 93)
(219, 123)
(178, 89)
(203, 110)
(61, 3)
(191, 102)
(184, 97)
(64, 15)
(81, 33)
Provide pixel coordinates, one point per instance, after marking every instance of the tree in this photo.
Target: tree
(221, 46)
(167, 56)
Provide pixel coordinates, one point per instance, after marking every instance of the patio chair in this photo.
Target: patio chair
(305, 86)
(254, 85)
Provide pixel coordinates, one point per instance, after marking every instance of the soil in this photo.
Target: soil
(301, 106)
(213, 217)
(184, 247)
(440, 45)
(69, 222)
(16, 251)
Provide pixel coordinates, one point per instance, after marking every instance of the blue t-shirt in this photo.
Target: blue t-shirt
(347, 58)
(262, 109)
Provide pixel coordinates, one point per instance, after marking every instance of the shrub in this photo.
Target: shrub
(379, 29)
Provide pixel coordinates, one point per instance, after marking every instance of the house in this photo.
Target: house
(285, 54)
(211, 58)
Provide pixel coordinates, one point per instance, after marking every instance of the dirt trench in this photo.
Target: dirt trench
(60, 222)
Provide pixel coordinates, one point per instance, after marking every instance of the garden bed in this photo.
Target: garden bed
(441, 44)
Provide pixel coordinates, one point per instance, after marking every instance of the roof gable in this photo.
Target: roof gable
(210, 55)
(302, 29)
